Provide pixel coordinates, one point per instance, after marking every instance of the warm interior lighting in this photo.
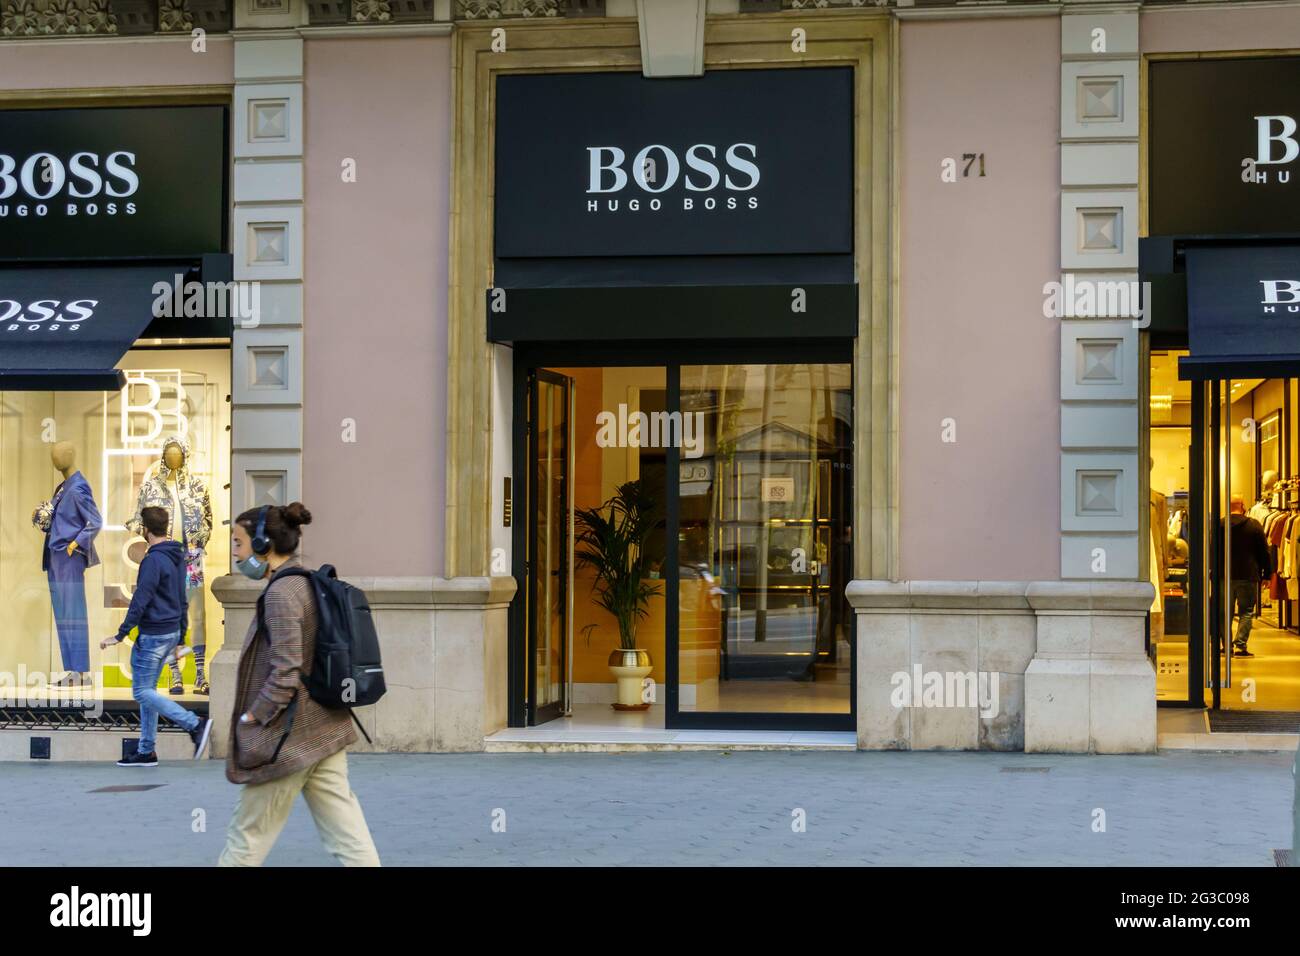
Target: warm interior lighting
(1162, 403)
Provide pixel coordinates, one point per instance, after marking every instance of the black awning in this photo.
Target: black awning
(64, 329)
(676, 312)
(1243, 312)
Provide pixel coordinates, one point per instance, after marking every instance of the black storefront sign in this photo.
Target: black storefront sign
(733, 163)
(112, 183)
(1225, 146)
(1243, 306)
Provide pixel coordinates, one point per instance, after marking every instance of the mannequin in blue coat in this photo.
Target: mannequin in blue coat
(70, 521)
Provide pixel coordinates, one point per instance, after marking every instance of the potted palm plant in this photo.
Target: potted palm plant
(611, 541)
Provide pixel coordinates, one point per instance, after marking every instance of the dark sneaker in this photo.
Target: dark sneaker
(200, 735)
(139, 760)
(1241, 652)
(201, 687)
(176, 689)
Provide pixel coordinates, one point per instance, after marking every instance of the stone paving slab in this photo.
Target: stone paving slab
(1176, 809)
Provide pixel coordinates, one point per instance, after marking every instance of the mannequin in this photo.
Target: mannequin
(1266, 485)
(70, 521)
(171, 485)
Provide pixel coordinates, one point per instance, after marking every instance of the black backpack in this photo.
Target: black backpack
(346, 671)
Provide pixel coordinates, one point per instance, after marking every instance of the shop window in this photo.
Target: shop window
(115, 440)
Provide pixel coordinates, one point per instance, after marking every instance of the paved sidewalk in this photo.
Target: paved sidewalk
(692, 808)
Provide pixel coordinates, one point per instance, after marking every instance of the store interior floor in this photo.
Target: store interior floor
(1274, 670)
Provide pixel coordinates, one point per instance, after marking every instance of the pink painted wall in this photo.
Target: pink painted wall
(375, 307)
(1253, 28)
(975, 345)
(78, 63)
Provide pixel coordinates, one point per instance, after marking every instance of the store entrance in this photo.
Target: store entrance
(686, 542)
(1225, 627)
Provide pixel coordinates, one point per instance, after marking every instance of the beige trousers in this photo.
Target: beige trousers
(264, 807)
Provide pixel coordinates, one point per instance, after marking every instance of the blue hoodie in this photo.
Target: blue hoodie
(158, 605)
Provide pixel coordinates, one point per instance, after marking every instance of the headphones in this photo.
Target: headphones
(261, 543)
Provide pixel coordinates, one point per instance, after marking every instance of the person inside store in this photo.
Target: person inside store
(158, 612)
(1250, 564)
(282, 742)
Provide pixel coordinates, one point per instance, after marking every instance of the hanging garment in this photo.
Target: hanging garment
(1291, 551)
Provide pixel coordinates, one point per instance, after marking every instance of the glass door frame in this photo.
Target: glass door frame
(563, 573)
(671, 356)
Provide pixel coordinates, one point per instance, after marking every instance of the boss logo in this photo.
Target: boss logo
(45, 178)
(52, 315)
(1280, 292)
(655, 169)
(1276, 145)
(44, 175)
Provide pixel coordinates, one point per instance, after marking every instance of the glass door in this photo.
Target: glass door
(764, 546)
(746, 465)
(549, 545)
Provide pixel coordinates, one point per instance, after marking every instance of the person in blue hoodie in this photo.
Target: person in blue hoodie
(158, 609)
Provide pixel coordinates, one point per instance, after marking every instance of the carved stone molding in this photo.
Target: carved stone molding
(504, 9)
(64, 18)
(30, 18)
(174, 17)
(371, 11)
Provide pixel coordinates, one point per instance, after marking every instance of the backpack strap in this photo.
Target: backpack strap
(353, 714)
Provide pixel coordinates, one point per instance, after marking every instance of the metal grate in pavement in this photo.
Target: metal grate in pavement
(1025, 769)
(1282, 857)
(128, 787)
(1254, 722)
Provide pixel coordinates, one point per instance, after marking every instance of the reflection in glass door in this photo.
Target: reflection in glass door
(549, 546)
(764, 499)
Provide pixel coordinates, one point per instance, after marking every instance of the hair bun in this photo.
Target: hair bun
(295, 515)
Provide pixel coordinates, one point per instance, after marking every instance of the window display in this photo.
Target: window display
(88, 463)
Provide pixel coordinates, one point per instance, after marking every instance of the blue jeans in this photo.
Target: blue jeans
(1243, 602)
(147, 659)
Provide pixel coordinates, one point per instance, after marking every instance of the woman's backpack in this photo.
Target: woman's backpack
(346, 670)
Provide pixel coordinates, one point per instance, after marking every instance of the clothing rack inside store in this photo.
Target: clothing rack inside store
(1279, 512)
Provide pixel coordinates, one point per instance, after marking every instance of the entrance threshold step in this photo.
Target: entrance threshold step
(538, 740)
(1227, 741)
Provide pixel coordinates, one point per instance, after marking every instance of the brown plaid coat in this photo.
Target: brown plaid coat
(267, 679)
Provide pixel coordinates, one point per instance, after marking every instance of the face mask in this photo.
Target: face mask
(251, 567)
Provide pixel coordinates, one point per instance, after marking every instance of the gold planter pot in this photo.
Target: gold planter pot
(630, 668)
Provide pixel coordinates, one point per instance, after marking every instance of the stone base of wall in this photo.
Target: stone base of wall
(444, 644)
(1004, 665)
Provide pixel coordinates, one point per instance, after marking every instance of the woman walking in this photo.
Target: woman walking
(282, 742)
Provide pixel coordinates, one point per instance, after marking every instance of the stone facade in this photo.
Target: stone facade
(1066, 660)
